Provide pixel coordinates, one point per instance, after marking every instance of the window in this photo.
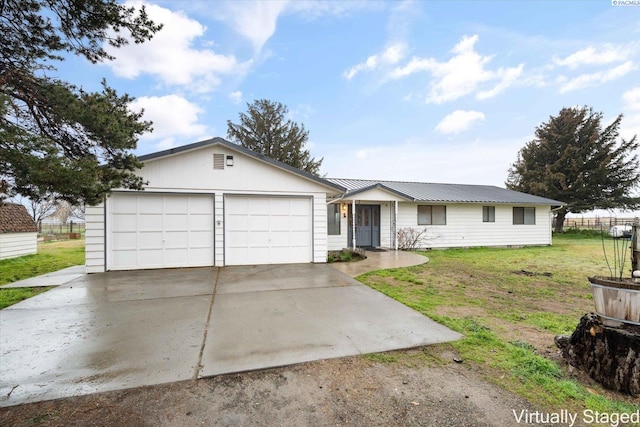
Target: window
(488, 214)
(432, 215)
(333, 219)
(525, 216)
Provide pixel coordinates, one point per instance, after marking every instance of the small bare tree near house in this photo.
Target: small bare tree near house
(410, 238)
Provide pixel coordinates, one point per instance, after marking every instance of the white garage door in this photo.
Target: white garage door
(267, 230)
(159, 231)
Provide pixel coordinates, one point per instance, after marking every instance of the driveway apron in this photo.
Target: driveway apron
(267, 316)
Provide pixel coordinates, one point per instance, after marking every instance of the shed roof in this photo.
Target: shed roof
(241, 149)
(14, 218)
(451, 193)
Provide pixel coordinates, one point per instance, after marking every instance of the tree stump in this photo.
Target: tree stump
(609, 355)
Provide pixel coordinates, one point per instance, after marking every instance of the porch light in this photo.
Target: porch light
(229, 160)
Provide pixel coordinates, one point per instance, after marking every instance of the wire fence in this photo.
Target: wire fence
(597, 223)
(59, 231)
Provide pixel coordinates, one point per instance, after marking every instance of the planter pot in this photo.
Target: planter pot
(617, 300)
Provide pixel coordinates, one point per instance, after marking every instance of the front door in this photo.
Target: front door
(367, 226)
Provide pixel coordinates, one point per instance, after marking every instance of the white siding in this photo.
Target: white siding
(464, 227)
(218, 240)
(193, 172)
(320, 242)
(13, 245)
(94, 238)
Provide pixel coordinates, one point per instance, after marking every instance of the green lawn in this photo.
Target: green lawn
(51, 256)
(10, 296)
(510, 303)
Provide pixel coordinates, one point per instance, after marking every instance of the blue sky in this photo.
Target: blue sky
(437, 91)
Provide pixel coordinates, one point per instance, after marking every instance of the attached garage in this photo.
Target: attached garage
(267, 230)
(212, 203)
(159, 231)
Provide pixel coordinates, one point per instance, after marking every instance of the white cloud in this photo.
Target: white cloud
(594, 56)
(173, 118)
(459, 121)
(254, 20)
(509, 77)
(631, 98)
(460, 75)
(390, 56)
(171, 55)
(587, 80)
(631, 121)
(236, 97)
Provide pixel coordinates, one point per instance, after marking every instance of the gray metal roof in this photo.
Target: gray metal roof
(452, 193)
(236, 147)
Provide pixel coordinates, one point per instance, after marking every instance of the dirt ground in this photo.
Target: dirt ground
(418, 387)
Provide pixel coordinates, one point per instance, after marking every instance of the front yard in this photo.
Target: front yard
(510, 303)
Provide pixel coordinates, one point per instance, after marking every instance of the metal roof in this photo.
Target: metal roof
(241, 149)
(452, 193)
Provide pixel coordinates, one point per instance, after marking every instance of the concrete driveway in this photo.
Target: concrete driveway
(126, 329)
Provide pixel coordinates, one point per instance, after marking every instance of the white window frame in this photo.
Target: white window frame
(427, 216)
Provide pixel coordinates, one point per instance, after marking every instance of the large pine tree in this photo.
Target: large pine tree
(266, 129)
(56, 139)
(575, 160)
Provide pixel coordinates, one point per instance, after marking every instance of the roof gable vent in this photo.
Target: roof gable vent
(218, 161)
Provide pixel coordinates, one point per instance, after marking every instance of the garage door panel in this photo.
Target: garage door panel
(149, 239)
(200, 239)
(258, 223)
(173, 222)
(125, 222)
(258, 205)
(157, 231)
(125, 204)
(122, 241)
(200, 223)
(275, 230)
(176, 205)
(150, 258)
(147, 222)
(151, 204)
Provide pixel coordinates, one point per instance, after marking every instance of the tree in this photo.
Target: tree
(267, 130)
(575, 160)
(57, 139)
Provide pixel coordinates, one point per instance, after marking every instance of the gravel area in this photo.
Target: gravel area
(418, 387)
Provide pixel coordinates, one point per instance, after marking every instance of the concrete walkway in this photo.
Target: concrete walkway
(380, 260)
(55, 278)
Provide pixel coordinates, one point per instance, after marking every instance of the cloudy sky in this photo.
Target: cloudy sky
(437, 91)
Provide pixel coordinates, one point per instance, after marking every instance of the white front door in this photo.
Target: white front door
(267, 230)
(159, 231)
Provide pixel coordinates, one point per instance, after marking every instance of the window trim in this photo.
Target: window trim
(336, 217)
(488, 214)
(524, 210)
(430, 214)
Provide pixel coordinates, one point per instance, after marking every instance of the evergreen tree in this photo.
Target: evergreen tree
(575, 160)
(266, 129)
(55, 138)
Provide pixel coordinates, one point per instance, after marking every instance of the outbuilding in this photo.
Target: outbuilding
(18, 231)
